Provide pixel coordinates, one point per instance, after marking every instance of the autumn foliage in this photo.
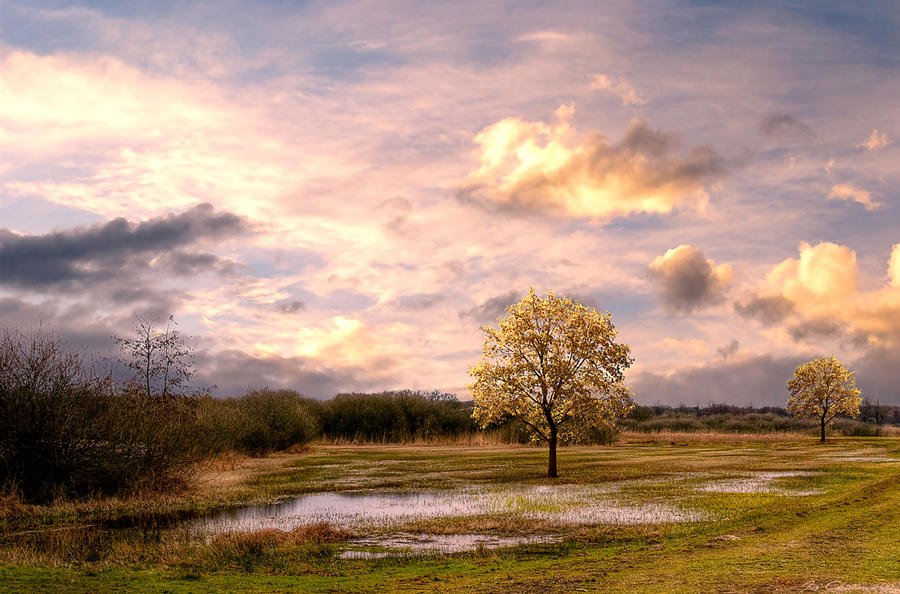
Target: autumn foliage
(823, 388)
(555, 366)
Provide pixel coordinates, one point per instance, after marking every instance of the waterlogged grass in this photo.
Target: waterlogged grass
(757, 515)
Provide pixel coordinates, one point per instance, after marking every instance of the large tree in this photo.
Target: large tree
(553, 364)
(823, 388)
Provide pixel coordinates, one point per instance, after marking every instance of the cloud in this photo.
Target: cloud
(782, 126)
(235, 372)
(768, 310)
(821, 288)
(875, 141)
(757, 380)
(893, 274)
(853, 194)
(878, 374)
(688, 280)
(621, 88)
(289, 306)
(492, 308)
(551, 37)
(419, 302)
(534, 166)
(729, 349)
(114, 249)
(816, 328)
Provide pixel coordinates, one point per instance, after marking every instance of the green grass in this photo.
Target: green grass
(846, 534)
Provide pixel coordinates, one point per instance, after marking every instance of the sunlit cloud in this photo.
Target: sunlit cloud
(853, 194)
(875, 141)
(818, 295)
(621, 88)
(541, 166)
(547, 37)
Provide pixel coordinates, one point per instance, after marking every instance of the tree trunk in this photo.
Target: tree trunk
(551, 463)
(823, 430)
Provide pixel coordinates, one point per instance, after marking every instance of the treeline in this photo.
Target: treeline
(264, 421)
(726, 418)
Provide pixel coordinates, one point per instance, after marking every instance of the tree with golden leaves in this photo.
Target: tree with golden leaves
(823, 389)
(553, 364)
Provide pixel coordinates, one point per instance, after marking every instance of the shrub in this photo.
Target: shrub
(260, 422)
(395, 416)
(64, 431)
(853, 428)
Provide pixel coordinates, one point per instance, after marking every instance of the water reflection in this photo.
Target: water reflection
(761, 482)
(564, 504)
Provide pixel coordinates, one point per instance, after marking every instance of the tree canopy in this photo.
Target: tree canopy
(823, 388)
(554, 364)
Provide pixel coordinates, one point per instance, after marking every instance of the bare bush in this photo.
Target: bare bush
(65, 431)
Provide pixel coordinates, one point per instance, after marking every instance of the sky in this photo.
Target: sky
(335, 196)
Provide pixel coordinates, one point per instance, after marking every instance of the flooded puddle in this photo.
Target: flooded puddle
(760, 482)
(858, 456)
(563, 504)
(408, 543)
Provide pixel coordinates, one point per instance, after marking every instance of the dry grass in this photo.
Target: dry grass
(481, 438)
(248, 550)
(889, 430)
(319, 533)
(708, 436)
(11, 504)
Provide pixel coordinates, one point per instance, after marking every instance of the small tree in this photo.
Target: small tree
(823, 389)
(162, 361)
(553, 364)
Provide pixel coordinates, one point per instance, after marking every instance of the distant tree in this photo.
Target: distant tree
(823, 389)
(438, 396)
(870, 411)
(161, 360)
(554, 365)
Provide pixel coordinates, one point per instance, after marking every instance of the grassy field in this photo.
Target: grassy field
(767, 514)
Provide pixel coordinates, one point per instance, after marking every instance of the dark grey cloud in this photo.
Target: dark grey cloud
(77, 326)
(816, 328)
(234, 373)
(768, 310)
(782, 126)
(106, 251)
(759, 381)
(289, 306)
(729, 349)
(189, 264)
(878, 374)
(492, 308)
(419, 302)
(687, 280)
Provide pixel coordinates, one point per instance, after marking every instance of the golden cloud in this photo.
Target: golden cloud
(621, 88)
(821, 288)
(853, 194)
(540, 166)
(875, 141)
